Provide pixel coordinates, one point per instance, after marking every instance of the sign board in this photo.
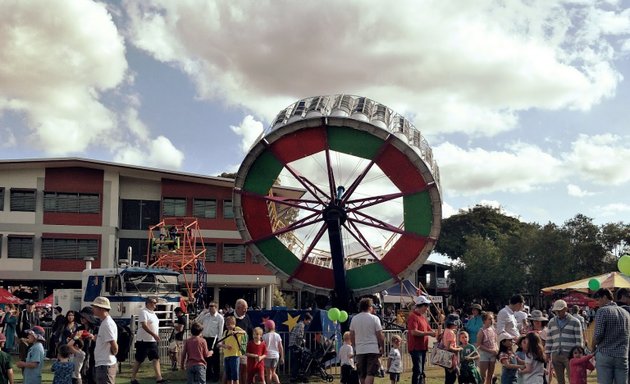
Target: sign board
(442, 283)
(436, 299)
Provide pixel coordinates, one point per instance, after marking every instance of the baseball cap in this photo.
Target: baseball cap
(38, 332)
(504, 336)
(422, 300)
(559, 305)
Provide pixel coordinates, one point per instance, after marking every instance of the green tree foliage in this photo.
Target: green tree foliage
(497, 255)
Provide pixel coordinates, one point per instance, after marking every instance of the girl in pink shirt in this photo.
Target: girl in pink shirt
(578, 364)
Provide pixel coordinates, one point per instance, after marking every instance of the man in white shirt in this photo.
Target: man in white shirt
(368, 341)
(147, 339)
(212, 322)
(506, 321)
(106, 346)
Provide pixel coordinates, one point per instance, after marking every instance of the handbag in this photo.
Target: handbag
(441, 357)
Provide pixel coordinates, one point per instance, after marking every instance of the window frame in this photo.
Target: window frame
(234, 259)
(213, 215)
(24, 191)
(12, 238)
(174, 200)
(228, 213)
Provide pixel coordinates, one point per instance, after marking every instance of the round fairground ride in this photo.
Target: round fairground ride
(370, 211)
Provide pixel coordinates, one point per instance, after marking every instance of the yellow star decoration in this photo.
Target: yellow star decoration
(291, 321)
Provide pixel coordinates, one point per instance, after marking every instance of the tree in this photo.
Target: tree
(615, 238)
(588, 252)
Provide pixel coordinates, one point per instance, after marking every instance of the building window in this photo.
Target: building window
(233, 253)
(255, 259)
(71, 202)
(204, 208)
(20, 247)
(72, 249)
(211, 252)
(228, 211)
(173, 207)
(1, 199)
(23, 200)
(139, 214)
(138, 249)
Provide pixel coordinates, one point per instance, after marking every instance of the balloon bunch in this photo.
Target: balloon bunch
(624, 264)
(334, 314)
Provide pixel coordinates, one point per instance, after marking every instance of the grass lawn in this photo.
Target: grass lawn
(435, 375)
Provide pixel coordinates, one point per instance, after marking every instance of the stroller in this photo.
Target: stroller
(313, 362)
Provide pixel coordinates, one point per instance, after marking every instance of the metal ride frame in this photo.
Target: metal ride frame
(179, 246)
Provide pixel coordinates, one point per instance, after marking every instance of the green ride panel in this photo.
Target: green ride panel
(262, 174)
(353, 142)
(418, 213)
(278, 254)
(366, 276)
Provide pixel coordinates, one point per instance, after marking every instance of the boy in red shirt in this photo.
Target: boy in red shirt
(256, 353)
(194, 353)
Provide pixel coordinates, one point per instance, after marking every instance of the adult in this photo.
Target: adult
(147, 339)
(176, 342)
(474, 323)
(70, 327)
(296, 345)
(10, 321)
(564, 333)
(106, 346)
(27, 320)
(575, 312)
(212, 322)
(611, 339)
(506, 321)
(245, 323)
(418, 333)
(623, 298)
(367, 337)
(89, 327)
(56, 337)
(539, 324)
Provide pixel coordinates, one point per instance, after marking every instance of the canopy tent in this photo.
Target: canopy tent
(7, 297)
(402, 292)
(580, 299)
(610, 280)
(45, 302)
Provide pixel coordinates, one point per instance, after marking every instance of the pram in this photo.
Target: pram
(313, 362)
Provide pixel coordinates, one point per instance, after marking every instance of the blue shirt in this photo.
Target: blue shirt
(35, 355)
(473, 325)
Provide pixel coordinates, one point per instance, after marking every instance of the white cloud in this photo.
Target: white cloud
(576, 191)
(249, 130)
(8, 138)
(57, 59)
(613, 209)
(602, 159)
(159, 152)
(465, 67)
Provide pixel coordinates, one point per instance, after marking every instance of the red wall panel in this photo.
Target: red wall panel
(74, 180)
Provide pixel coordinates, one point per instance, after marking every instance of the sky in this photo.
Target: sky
(524, 103)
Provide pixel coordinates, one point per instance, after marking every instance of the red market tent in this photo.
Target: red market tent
(7, 297)
(580, 299)
(45, 302)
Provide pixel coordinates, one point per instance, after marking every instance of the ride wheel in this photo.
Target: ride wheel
(368, 181)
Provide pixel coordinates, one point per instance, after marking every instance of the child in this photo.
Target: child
(63, 368)
(508, 359)
(520, 354)
(233, 344)
(34, 360)
(193, 356)
(487, 347)
(346, 356)
(468, 371)
(275, 351)
(534, 369)
(578, 364)
(78, 357)
(394, 360)
(256, 354)
(6, 372)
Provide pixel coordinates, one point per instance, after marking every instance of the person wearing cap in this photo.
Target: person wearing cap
(565, 332)
(474, 323)
(88, 328)
(212, 322)
(106, 346)
(611, 339)
(418, 332)
(28, 319)
(34, 362)
(506, 320)
(368, 341)
(6, 371)
(147, 339)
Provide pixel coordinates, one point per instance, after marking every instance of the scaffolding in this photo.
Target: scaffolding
(176, 243)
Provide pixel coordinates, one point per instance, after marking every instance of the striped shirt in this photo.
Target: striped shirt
(612, 330)
(563, 335)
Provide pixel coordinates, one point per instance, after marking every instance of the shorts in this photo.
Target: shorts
(230, 366)
(394, 377)
(175, 346)
(486, 356)
(347, 373)
(368, 364)
(146, 349)
(271, 362)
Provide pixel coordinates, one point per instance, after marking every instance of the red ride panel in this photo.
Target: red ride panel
(400, 170)
(403, 253)
(299, 144)
(256, 216)
(316, 276)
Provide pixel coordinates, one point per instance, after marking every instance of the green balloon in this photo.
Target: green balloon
(333, 314)
(343, 316)
(624, 264)
(593, 284)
